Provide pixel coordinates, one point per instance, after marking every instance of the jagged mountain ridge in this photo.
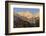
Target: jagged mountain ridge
(24, 21)
(28, 15)
(27, 19)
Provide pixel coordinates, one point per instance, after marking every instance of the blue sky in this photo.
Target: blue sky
(33, 10)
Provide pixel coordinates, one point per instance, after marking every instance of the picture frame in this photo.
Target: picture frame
(19, 6)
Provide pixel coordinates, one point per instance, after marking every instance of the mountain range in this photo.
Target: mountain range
(20, 19)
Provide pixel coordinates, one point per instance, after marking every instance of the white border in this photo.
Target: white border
(16, 30)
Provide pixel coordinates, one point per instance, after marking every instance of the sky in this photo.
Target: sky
(33, 10)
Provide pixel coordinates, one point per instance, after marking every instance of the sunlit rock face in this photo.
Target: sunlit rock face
(29, 15)
(26, 14)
